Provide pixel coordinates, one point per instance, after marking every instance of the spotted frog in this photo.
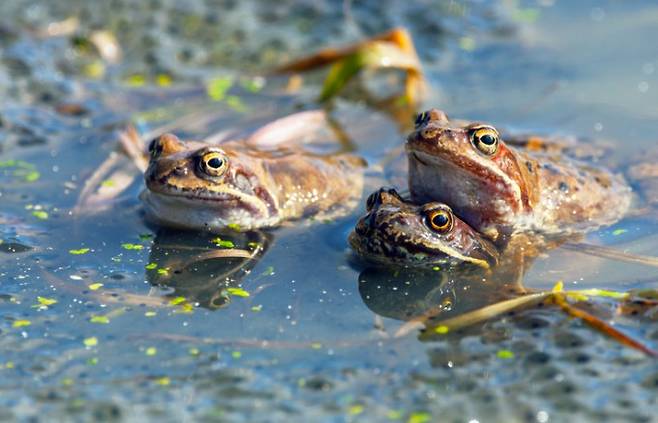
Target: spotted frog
(199, 186)
(500, 189)
(395, 231)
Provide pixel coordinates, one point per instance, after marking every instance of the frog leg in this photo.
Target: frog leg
(114, 175)
(392, 49)
(299, 129)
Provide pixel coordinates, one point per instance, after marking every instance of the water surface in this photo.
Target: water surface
(97, 323)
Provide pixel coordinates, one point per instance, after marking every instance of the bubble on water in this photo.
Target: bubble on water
(597, 14)
(648, 68)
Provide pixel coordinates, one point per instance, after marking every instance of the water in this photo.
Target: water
(310, 342)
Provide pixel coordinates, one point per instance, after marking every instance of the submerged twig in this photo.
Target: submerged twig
(557, 295)
(611, 253)
(560, 299)
(485, 313)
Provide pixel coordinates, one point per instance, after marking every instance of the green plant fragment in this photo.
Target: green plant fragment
(419, 417)
(216, 88)
(238, 292)
(236, 103)
(340, 73)
(21, 323)
(46, 301)
(130, 246)
(177, 300)
(79, 251)
(99, 319)
(224, 243)
(505, 354)
(355, 409)
(32, 176)
(92, 341)
(40, 214)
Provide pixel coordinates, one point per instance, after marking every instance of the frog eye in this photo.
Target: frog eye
(422, 119)
(155, 148)
(383, 196)
(440, 220)
(430, 115)
(213, 163)
(372, 200)
(485, 139)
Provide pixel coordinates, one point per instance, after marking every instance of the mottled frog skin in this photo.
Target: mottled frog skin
(395, 231)
(198, 186)
(501, 190)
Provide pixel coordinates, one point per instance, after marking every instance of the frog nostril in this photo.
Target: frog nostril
(429, 133)
(180, 171)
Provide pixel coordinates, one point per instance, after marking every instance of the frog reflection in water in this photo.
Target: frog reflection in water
(200, 271)
(248, 183)
(501, 190)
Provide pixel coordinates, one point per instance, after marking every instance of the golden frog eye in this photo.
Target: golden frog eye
(485, 139)
(213, 163)
(440, 220)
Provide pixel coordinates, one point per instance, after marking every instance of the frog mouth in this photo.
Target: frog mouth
(200, 199)
(193, 194)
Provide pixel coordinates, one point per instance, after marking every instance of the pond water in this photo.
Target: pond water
(106, 317)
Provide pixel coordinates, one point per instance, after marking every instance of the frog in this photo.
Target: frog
(253, 183)
(399, 232)
(502, 189)
(421, 262)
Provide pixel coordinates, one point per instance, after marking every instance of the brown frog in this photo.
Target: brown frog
(399, 232)
(500, 190)
(199, 186)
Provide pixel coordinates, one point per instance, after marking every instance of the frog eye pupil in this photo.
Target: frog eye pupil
(440, 220)
(215, 163)
(488, 139)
